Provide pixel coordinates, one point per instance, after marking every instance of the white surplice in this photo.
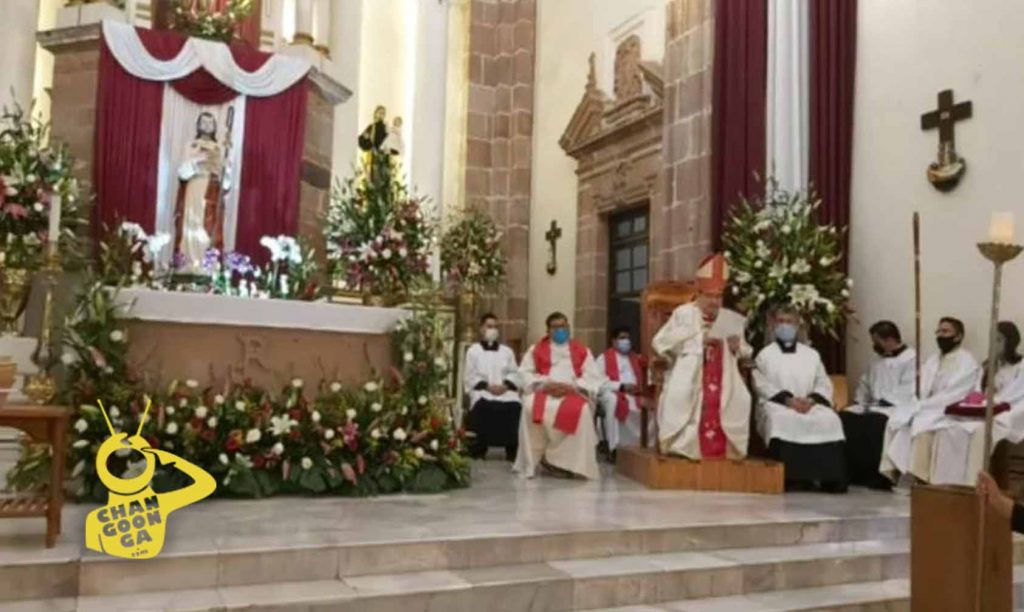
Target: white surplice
(491, 367)
(616, 432)
(801, 374)
(959, 449)
(681, 340)
(537, 441)
(890, 380)
(945, 380)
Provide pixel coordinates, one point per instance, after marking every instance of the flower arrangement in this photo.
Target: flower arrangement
(128, 256)
(380, 437)
(198, 18)
(471, 255)
(378, 236)
(31, 173)
(779, 254)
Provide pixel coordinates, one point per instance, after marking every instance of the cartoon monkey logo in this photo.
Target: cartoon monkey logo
(132, 524)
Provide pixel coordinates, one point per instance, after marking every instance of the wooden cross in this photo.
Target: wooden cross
(552, 236)
(946, 171)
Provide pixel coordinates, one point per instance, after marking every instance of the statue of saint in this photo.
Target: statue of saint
(197, 217)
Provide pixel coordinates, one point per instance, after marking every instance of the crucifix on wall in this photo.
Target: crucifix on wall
(945, 172)
(552, 236)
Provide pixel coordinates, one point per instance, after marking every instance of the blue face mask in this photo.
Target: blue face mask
(560, 335)
(785, 333)
(623, 345)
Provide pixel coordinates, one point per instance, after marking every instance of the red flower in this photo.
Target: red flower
(258, 462)
(435, 423)
(232, 445)
(196, 423)
(295, 414)
(209, 435)
(295, 435)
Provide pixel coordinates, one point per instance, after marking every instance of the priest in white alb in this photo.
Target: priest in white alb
(946, 379)
(622, 395)
(959, 449)
(704, 408)
(794, 409)
(560, 386)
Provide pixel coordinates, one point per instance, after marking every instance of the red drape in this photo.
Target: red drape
(833, 52)
(738, 117)
(128, 118)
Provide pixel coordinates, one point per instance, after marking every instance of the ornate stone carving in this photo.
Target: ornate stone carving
(629, 82)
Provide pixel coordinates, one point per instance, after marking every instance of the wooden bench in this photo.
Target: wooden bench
(44, 425)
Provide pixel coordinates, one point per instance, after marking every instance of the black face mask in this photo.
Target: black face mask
(947, 344)
(879, 351)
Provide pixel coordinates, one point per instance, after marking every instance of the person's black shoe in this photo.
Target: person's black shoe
(510, 453)
(834, 486)
(613, 456)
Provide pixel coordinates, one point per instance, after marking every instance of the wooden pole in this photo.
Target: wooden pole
(917, 304)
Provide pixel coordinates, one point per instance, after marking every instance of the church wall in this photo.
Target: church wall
(17, 51)
(346, 38)
(907, 53)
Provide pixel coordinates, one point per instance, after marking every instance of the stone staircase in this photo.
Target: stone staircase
(855, 563)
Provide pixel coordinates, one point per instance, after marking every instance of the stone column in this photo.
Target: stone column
(18, 51)
(303, 23)
(322, 26)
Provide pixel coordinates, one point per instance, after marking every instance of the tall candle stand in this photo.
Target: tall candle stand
(40, 387)
(998, 254)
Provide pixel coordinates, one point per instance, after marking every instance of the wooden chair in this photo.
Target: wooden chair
(840, 392)
(658, 302)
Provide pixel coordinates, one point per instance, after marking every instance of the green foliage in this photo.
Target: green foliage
(471, 256)
(197, 18)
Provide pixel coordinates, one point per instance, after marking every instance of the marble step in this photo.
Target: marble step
(576, 584)
(191, 564)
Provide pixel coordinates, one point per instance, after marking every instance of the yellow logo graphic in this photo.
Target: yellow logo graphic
(133, 523)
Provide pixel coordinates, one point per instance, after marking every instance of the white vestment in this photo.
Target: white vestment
(945, 380)
(620, 433)
(958, 453)
(576, 452)
(681, 340)
(890, 380)
(493, 367)
(799, 373)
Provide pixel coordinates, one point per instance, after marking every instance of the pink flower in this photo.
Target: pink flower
(16, 210)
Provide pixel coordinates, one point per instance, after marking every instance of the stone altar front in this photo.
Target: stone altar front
(217, 340)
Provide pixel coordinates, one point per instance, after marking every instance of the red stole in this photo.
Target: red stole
(571, 408)
(712, 437)
(611, 370)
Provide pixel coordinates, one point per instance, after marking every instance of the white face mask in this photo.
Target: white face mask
(491, 334)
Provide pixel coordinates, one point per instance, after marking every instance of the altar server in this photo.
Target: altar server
(704, 409)
(491, 382)
(946, 378)
(959, 449)
(889, 382)
(794, 410)
(621, 396)
(561, 382)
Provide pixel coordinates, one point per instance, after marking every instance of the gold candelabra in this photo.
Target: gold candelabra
(998, 254)
(40, 387)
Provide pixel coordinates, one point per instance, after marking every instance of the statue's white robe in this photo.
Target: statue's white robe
(958, 453)
(681, 340)
(909, 433)
(575, 453)
(801, 374)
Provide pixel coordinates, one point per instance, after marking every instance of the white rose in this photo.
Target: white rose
(307, 463)
(399, 434)
(81, 425)
(315, 416)
(218, 399)
(191, 384)
(386, 254)
(350, 413)
(240, 405)
(335, 387)
(434, 444)
(170, 411)
(200, 412)
(114, 412)
(223, 458)
(375, 434)
(408, 356)
(211, 422)
(422, 400)
(183, 402)
(116, 335)
(297, 383)
(370, 387)
(328, 434)
(419, 452)
(402, 252)
(67, 358)
(80, 444)
(376, 407)
(786, 229)
(277, 449)
(172, 428)
(253, 436)
(38, 207)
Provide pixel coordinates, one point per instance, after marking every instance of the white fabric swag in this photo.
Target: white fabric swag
(276, 75)
(788, 93)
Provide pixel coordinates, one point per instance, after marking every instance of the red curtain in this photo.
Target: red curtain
(128, 119)
(738, 117)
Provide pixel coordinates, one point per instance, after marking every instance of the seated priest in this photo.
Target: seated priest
(794, 410)
(946, 378)
(704, 408)
(490, 381)
(960, 441)
(560, 385)
(621, 397)
(889, 382)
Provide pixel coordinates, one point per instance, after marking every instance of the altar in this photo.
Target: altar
(217, 340)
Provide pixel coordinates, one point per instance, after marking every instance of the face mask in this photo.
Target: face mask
(491, 334)
(624, 345)
(880, 351)
(560, 335)
(785, 333)
(947, 344)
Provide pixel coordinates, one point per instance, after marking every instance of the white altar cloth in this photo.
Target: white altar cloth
(206, 309)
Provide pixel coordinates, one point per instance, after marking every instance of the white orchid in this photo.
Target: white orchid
(155, 245)
(80, 444)
(281, 425)
(243, 460)
(272, 245)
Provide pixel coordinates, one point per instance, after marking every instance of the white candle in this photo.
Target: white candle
(54, 231)
(1000, 230)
